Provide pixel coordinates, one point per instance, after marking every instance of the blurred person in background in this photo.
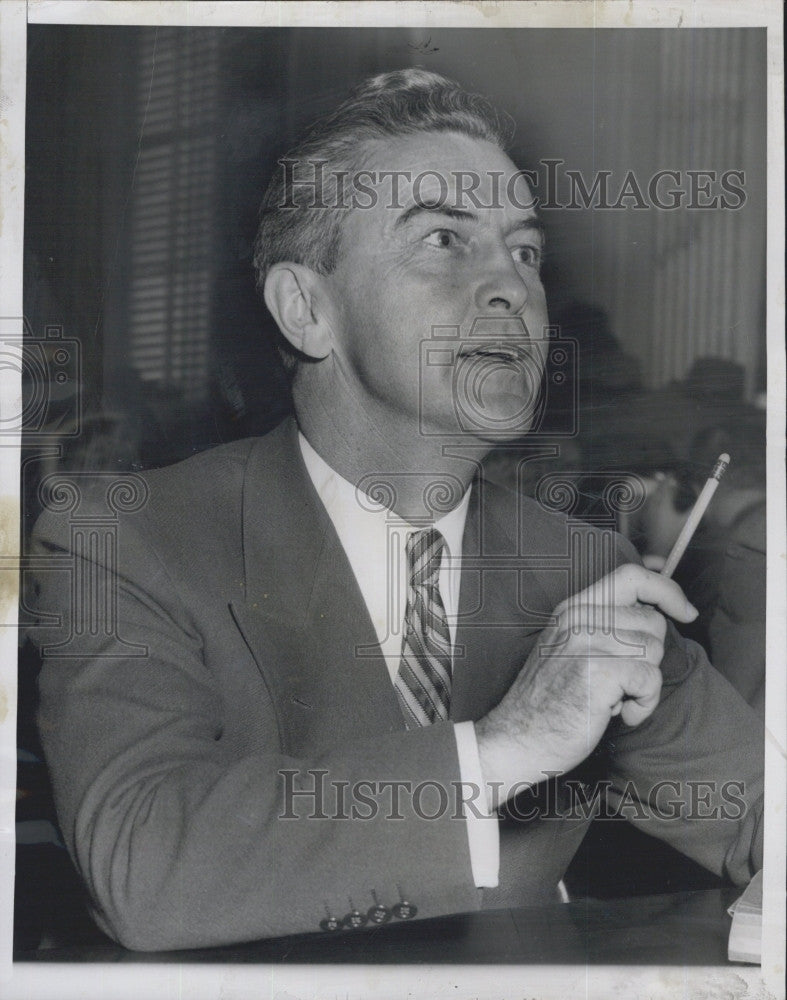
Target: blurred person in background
(724, 568)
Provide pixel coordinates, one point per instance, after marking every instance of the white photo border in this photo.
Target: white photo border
(211, 981)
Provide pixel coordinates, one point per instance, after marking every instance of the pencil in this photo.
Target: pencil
(695, 516)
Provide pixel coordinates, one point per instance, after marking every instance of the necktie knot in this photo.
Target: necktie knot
(424, 556)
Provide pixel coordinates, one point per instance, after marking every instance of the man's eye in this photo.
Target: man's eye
(529, 255)
(442, 238)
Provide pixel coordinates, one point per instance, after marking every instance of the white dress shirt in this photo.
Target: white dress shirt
(374, 539)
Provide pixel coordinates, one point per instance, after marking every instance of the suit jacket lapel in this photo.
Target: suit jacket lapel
(305, 619)
(502, 603)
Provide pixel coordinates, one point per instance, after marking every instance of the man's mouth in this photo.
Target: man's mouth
(507, 353)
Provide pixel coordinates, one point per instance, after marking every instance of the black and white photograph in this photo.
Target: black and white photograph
(393, 412)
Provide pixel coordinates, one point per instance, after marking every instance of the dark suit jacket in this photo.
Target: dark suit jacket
(214, 640)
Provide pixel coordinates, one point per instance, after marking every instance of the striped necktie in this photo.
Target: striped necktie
(423, 682)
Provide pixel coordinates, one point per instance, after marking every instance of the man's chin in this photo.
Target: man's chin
(489, 433)
(503, 417)
(496, 436)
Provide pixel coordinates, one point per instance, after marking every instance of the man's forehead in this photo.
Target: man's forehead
(449, 168)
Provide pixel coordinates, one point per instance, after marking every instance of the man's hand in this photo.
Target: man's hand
(600, 659)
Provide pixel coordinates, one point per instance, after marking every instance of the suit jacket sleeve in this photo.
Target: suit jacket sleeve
(185, 838)
(692, 773)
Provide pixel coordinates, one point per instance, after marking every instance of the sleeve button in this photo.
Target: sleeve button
(379, 914)
(355, 919)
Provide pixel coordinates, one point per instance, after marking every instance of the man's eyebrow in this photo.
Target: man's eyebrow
(531, 223)
(437, 208)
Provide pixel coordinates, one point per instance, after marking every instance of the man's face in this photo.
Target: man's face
(437, 257)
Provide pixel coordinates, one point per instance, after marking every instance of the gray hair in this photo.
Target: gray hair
(404, 102)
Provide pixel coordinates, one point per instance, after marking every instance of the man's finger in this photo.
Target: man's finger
(642, 687)
(611, 618)
(631, 584)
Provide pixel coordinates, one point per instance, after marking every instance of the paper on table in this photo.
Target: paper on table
(745, 943)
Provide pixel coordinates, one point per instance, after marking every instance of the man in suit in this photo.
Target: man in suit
(328, 678)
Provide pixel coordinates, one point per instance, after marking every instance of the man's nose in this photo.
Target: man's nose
(501, 289)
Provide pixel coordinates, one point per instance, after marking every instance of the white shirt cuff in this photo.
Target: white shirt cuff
(483, 836)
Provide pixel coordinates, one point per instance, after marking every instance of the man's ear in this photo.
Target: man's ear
(292, 296)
